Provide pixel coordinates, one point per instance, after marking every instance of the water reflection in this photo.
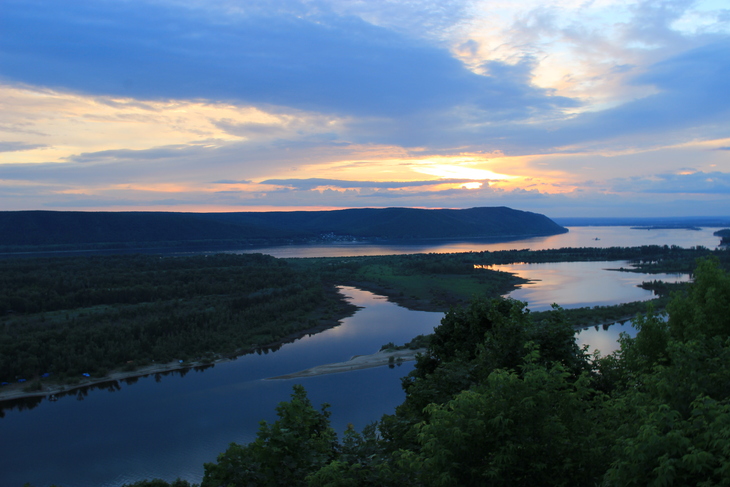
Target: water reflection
(171, 428)
(82, 392)
(577, 237)
(580, 284)
(604, 338)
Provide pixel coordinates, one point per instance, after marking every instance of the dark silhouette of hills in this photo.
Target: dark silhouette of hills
(664, 222)
(78, 229)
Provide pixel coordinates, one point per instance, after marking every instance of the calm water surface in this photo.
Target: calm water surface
(579, 284)
(576, 237)
(169, 426)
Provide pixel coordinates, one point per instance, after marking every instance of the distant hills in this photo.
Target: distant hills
(656, 222)
(51, 230)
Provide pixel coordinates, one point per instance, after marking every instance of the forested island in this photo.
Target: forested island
(29, 231)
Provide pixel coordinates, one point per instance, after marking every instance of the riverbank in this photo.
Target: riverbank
(14, 391)
(48, 388)
(358, 362)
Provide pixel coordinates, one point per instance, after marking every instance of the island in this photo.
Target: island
(724, 235)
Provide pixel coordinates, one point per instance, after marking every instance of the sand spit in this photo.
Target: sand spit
(358, 362)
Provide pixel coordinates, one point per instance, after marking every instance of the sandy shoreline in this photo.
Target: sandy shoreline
(358, 362)
(16, 391)
(49, 387)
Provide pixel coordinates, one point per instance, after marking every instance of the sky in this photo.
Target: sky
(570, 108)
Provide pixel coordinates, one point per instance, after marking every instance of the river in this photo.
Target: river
(168, 426)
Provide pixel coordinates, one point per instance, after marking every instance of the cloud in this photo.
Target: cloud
(168, 102)
(692, 102)
(232, 181)
(327, 63)
(695, 183)
(382, 84)
(313, 183)
(18, 146)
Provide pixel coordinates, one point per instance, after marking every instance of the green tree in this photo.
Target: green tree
(299, 443)
(676, 401)
(704, 309)
(531, 428)
(669, 448)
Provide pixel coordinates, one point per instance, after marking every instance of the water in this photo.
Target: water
(169, 428)
(604, 338)
(576, 237)
(580, 284)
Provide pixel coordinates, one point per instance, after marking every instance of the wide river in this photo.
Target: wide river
(168, 426)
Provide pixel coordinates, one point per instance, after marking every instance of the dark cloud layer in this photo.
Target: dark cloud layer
(393, 89)
(330, 63)
(18, 146)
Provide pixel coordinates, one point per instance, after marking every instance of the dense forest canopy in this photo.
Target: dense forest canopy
(68, 316)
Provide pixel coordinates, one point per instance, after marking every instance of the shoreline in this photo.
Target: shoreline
(15, 391)
(358, 362)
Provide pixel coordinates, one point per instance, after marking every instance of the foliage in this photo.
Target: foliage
(674, 449)
(67, 316)
(704, 308)
(299, 443)
(473, 341)
(421, 341)
(516, 429)
(676, 403)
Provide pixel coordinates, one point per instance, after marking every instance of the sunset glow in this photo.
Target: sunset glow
(566, 108)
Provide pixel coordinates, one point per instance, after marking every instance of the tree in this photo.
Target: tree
(514, 430)
(299, 443)
(676, 403)
(705, 308)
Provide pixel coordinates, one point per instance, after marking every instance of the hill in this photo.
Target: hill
(67, 229)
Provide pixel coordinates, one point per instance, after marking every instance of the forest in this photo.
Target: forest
(64, 317)
(501, 398)
(436, 282)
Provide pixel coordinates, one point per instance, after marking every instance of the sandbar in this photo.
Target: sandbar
(358, 362)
